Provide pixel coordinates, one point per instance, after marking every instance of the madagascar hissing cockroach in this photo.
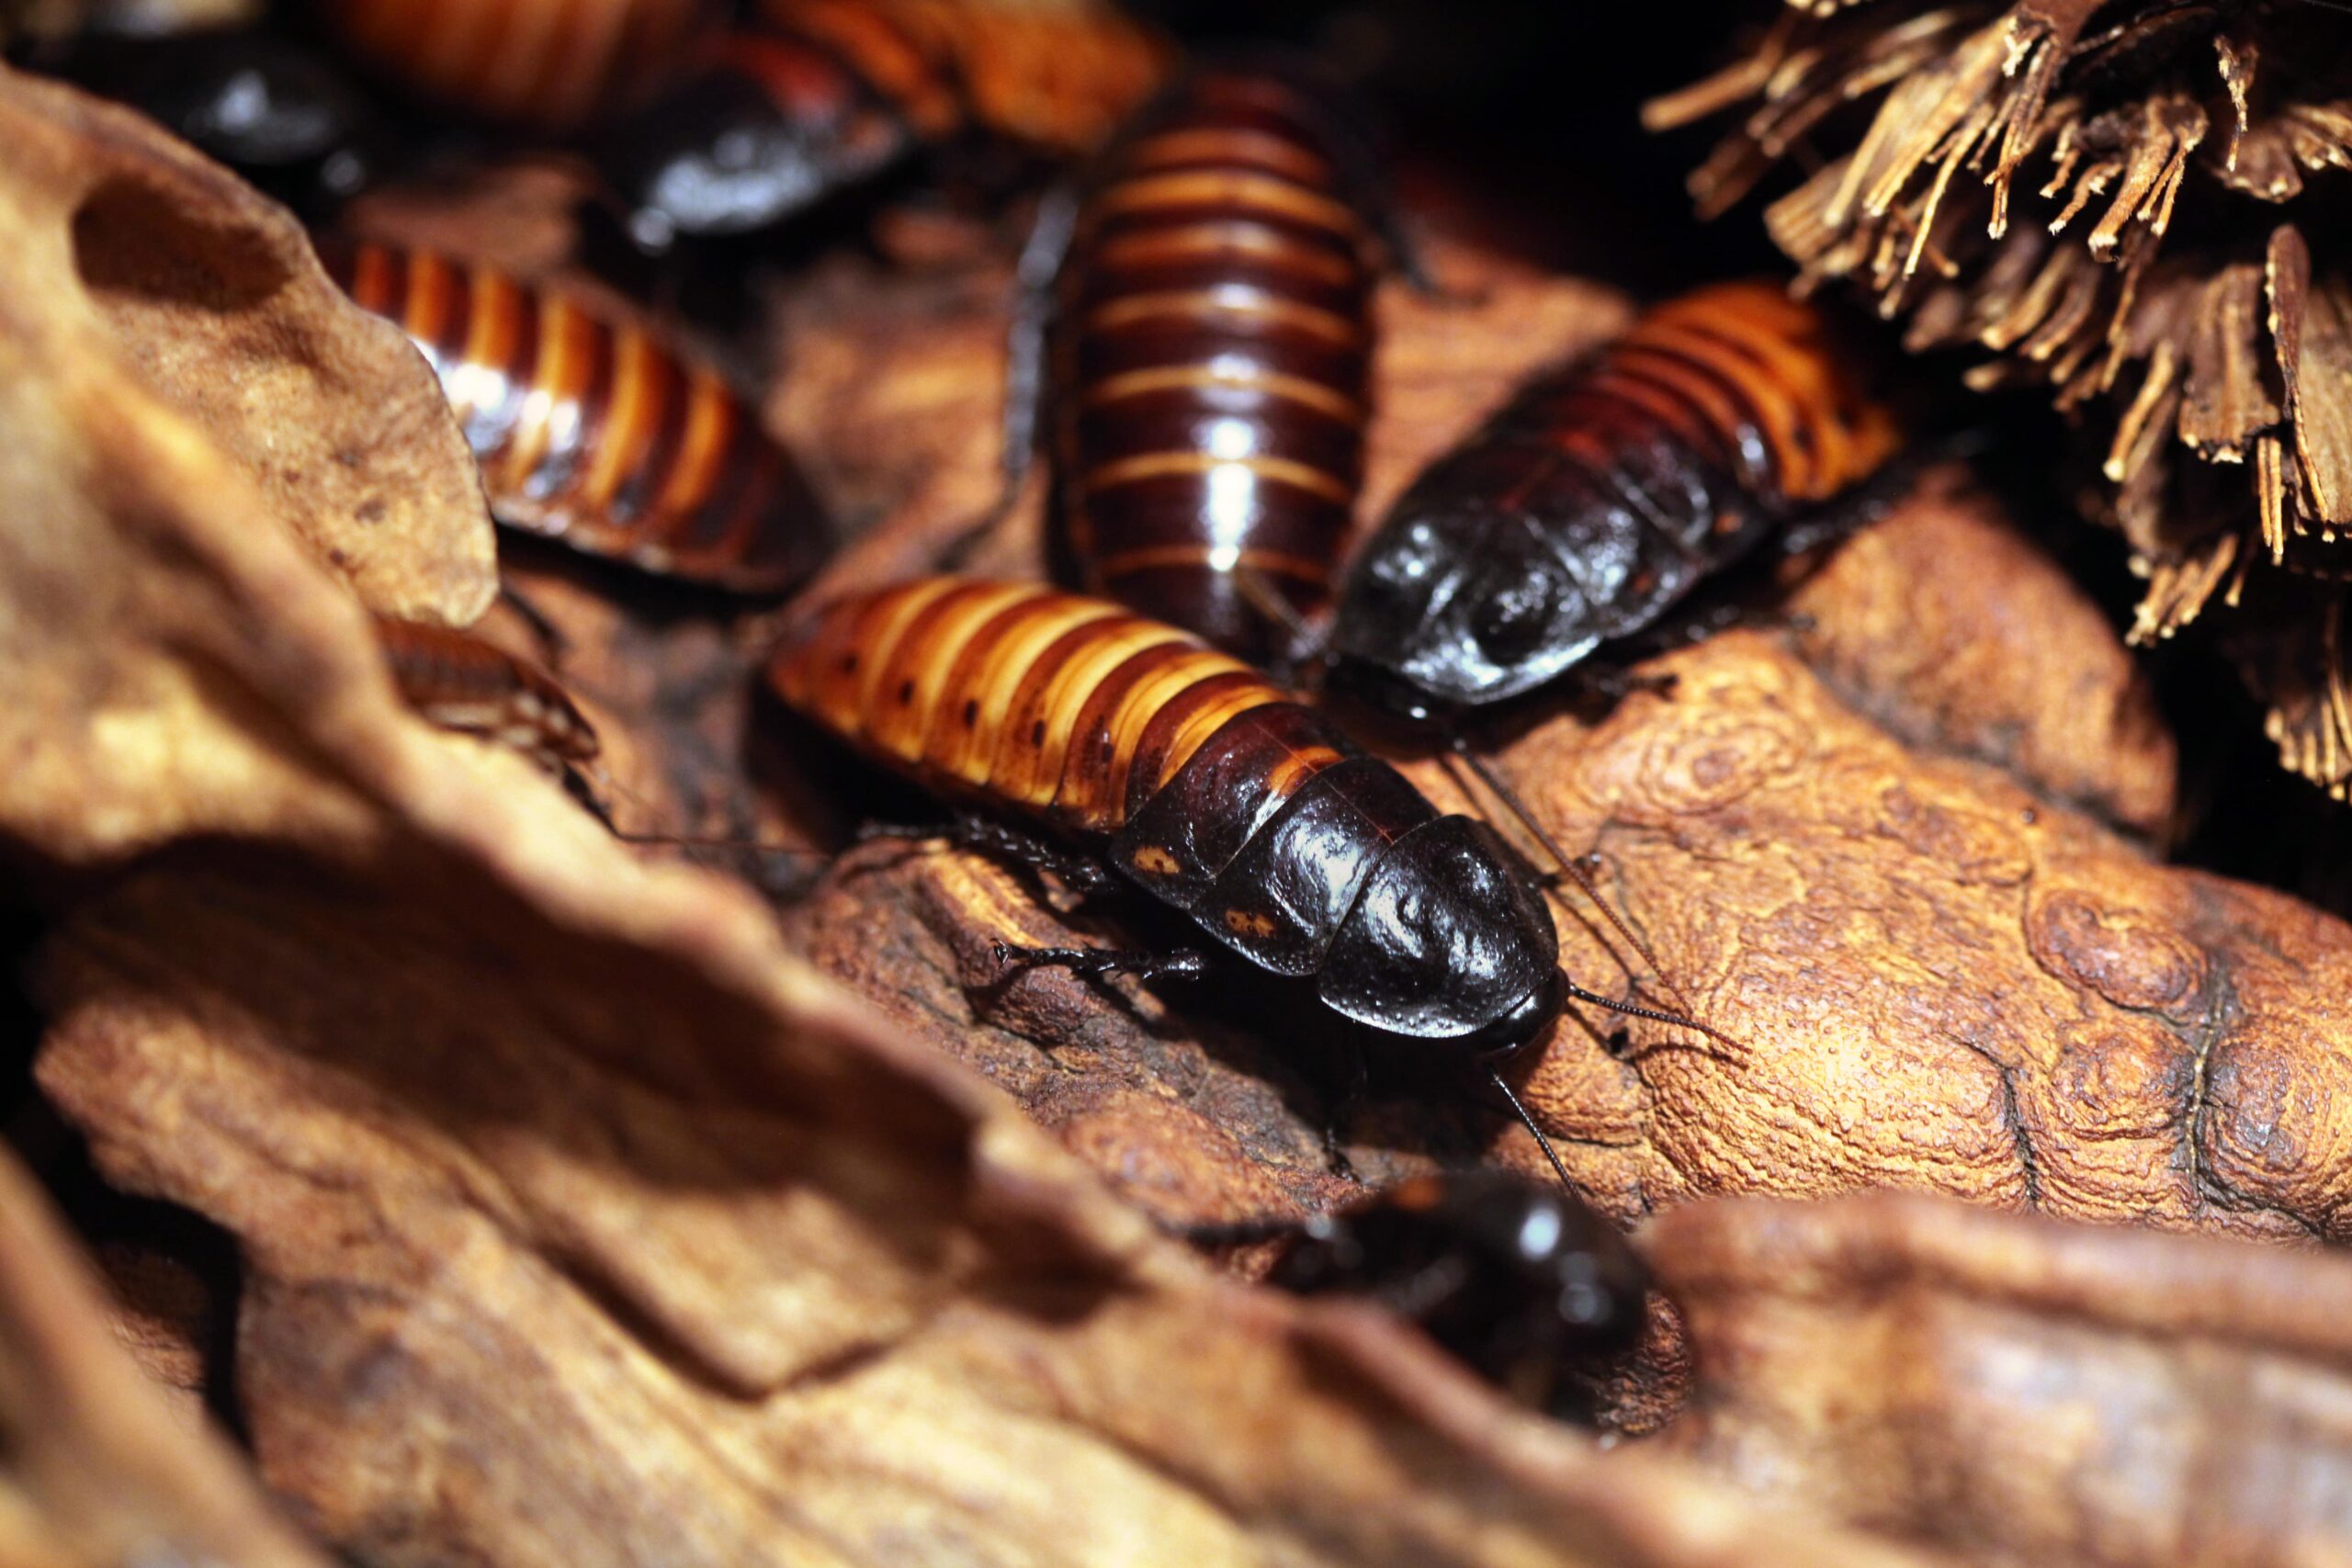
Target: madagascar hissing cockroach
(595, 433)
(1521, 1282)
(457, 681)
(1204, 785)
(1207, 362)
(552, 65)
(279, 113)
(809, 97)
(1602, 494)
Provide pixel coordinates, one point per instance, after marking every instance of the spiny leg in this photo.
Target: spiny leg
(1081, 873)
(1180, 964)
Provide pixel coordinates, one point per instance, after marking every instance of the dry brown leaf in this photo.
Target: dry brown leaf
(95, 1470)
(124, 253)
(2028, 1392)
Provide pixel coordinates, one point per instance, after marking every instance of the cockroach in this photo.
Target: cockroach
(1209, 357)
(811, 97)
(1205, 785)
(550, 65)
(593, 432)
(1521, 1282)
(279, 113)
(1602, 494)
(457, 681)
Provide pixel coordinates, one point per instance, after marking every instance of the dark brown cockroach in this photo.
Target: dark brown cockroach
(457, 681)
(1204, 785)
(1602, 494)
(813, 96)
(1524, 1283)
(1208, 357)
(595, 433)
(552, 65)
(281, 114)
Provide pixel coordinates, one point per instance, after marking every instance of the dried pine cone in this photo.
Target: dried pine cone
(2122, 201)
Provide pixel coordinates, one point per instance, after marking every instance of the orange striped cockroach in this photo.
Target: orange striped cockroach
(809, 97)
(1204, 785)
(1603, 493)
(457, 681)
(594, 432)
(1207, 333)
(550, 65)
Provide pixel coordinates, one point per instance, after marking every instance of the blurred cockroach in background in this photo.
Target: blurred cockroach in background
(546, 67)
(1523, 1282)
(810, 97)
(595, 433)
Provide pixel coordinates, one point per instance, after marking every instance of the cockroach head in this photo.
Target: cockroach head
(1447, 943)
(1456, 604)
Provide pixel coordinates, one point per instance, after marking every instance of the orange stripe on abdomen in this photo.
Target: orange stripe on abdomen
(1028, 697)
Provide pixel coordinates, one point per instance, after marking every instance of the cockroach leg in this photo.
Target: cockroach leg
(1082, 875)
(1180, 964)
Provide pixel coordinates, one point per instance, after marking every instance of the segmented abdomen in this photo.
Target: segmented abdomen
(1737, 374)
(1061, 707)
(554, 64)
(1058, 76)
(1211, 361)
(457, 681)
(596, 432)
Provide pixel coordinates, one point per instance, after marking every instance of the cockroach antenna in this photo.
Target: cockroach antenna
(1572, 869)
(1541, 1141)
(1460, 747)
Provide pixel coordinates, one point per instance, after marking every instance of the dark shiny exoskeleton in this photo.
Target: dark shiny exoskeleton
(1602, 494)
(1210, 357)
(275, 111)
(807, 98)
(1201, 783)
(1521, 1282)
(763, 127)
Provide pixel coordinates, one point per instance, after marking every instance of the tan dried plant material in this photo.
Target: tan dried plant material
(578, 1220)
(2111, 201)
(96, 1470)
(2021, 1391)
(184, 393)
(124, 253)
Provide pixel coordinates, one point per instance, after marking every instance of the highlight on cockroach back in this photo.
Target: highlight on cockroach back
(1200, 329)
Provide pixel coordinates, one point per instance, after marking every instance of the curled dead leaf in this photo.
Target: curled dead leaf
(125, 254)
(2037, 1392)
(98, 1472)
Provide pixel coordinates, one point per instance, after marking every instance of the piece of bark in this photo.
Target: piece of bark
(96, 1467)
(124, 252)
(649, 1248)
(2022, 1391)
